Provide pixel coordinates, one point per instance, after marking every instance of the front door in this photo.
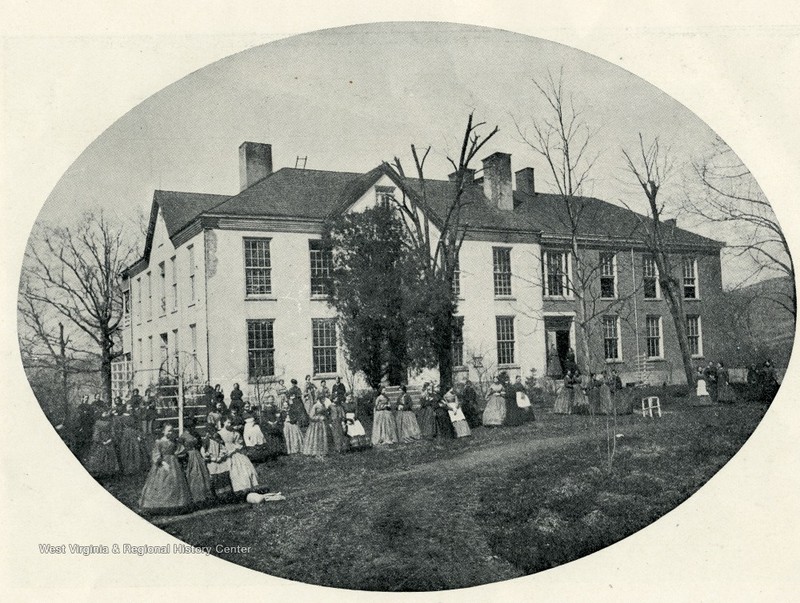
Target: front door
(558, 331)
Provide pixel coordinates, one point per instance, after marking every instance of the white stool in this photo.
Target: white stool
(649, 404)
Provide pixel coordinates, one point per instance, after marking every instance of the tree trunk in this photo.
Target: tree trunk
(105, 367)
(675, 302)
(64, 384)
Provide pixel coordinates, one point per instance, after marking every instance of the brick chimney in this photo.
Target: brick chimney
(525, 181)
(255, 163)
(497, 184)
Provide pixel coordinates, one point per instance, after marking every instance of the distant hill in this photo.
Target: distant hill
(758, 325)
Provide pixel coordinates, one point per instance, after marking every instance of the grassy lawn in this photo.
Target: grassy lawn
(438, 515)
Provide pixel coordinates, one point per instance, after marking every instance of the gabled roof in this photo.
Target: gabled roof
(307, 194)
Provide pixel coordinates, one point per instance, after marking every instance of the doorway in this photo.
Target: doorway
(558, 331)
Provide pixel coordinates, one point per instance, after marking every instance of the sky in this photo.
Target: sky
(349, 98)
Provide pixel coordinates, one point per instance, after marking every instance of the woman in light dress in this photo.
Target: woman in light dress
(316, 438)
(384, 427)
(563, 404)
(355, 430)
(292, 435)
(242, 473)
(457, 417)
(495, 412)
(407, 426)
(702, 390)
(218, 466)
(166, 489)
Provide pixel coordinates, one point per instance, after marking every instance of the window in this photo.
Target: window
(690, 289)
(137, 308)
(505, 340)
(150, 345)
(556, 267)
(174, 270)
(176, 348)
(321, 267)
(608, 275)
(652, 288)
(260, 349)
(162, 287)
(149, 296)
(140, 355)
(654, 346)
(611, 337)
(502, 271)
(458, 341)
(457, 279)
(694, 332)
(323, 332)
(193, 339)
(164, 352)
(126, 302)
(384, 195)
(192, 292)
(257, 267)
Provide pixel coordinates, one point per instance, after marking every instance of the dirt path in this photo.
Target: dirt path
(488, 456)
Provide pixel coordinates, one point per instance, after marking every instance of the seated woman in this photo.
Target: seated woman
(242, 473)
(166, 489)
(254, 441)
(457, 418)
(384, 427)
(316, 438)
(355, 430)
(219, 467)
(407, 426)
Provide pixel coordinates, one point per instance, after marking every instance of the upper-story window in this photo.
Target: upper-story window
(690, 286)
(502, 271)
(149, 296)
(557, 270)
(458, 341)
(608, 275)
(257, 267)
(173, 268)
(652, 288)
(137, 300)
(162, 289)
(456, 278)
(384, 195)
(192, 286)
(321, 267)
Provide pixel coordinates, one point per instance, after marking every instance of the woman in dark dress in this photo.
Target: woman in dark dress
(166, 489)
(128, 441)
(725, 392)
(336, 417)
(197, 475)
(236, 398)
(272, 427)
(426, 415)
(102, 458)
(515, 416)
(444, 426)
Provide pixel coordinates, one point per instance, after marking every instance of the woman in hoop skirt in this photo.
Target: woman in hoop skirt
(166, 489)
(384, 426)
(495, 412)
(197, 475)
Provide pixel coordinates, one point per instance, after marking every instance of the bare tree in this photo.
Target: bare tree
(563, 140)
(75, 273)
(730, 195)
(652, 166)
(439, 255)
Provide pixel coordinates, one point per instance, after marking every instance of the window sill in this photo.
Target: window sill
(257, 298)
(655, 359)
(698, 357)
(507, 366)
(615, 361)
(615, 298)
(558, 297)
(322, 298)
(175, 311)
(653, 299)
(505, 298)
(691, 299)
(325, 376)
(190, 305)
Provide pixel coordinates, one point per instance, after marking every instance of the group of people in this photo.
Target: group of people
(588, 394)
(713, 381)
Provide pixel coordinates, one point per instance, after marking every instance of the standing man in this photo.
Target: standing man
(339, 392)
(469, 404)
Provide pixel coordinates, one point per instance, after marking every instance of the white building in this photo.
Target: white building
(232, 286)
